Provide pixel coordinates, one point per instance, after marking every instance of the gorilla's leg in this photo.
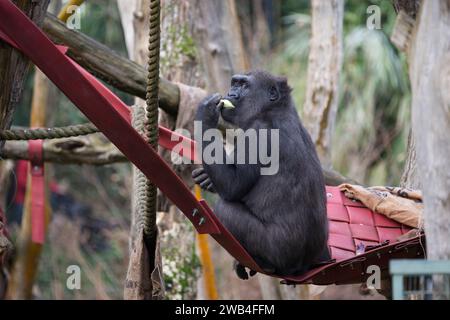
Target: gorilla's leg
(253, 234)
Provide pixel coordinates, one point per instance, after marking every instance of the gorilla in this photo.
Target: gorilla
(280, 219)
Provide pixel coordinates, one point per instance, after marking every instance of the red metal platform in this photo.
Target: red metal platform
(358, 238)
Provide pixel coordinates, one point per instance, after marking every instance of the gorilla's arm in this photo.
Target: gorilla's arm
(230, 181)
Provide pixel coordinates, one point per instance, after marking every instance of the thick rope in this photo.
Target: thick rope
(48, 133)
(145, 187)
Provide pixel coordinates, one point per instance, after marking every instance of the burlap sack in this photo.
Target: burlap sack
(399, 204)
(141, 283)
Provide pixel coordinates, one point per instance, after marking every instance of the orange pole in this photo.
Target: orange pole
(205, 259)
(25, 266)
(64, 14)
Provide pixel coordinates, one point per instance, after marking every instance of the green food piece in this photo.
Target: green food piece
(227, 104)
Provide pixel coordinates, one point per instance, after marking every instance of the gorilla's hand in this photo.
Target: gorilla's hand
(208, 111)
(202, 179)
(241, 272)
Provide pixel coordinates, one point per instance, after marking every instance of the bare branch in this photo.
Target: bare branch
(108, 65)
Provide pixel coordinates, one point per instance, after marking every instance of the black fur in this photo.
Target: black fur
(280, 219)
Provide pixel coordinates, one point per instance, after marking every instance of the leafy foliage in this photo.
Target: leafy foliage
(373, 116)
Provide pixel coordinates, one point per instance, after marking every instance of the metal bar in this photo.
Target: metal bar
(419, 267)
(397, 287)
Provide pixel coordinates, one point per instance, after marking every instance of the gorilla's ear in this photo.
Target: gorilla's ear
(283, 86)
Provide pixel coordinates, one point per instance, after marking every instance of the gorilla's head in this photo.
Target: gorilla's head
(254, 95)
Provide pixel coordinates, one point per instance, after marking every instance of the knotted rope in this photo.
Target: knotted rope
(147, 191)
(48, 133)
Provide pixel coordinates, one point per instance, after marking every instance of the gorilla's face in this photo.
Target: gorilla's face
(252, 94)
(240, 95)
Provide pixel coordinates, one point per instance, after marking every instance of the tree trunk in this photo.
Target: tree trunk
(407, 12)
(324, 66)
(14, 66)
(144, 276)
(411, 7)
(410, 177)
(221, 51)
(180, 65)
(430, 80)
(23, 275)
(256, 34)
(325, 60)
(126, 10)
(5, 244)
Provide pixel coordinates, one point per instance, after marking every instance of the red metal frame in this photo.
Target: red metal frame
(112, 117)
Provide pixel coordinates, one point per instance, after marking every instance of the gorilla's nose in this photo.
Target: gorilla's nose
(232, 96)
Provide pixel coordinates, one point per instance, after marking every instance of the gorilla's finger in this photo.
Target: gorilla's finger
(205, 184)
(197, 172)
(214, 99)
(210, 187)
(198, 181)
(220, 104)
(201, 178)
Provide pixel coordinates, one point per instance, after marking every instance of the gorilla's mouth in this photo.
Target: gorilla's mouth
(227, 110)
